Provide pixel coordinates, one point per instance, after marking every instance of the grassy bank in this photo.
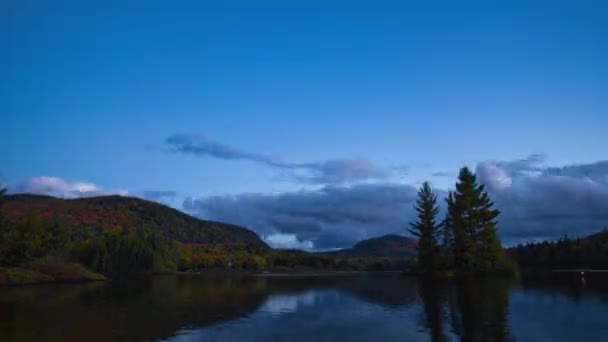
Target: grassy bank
(47, 273)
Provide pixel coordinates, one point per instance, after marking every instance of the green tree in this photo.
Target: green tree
(473, 220)
(426, 228)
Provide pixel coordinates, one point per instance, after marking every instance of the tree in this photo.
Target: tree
(426, 228)
(2, 193)
(473, 220)
(3, 234)
(448, 233)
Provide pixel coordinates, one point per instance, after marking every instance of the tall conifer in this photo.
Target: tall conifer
(426, 228)
(473, 220)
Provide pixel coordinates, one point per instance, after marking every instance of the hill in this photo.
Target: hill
(390, 245)
(113, 212)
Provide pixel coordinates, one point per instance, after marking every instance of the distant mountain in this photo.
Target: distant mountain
(390, 245)
(112, 212)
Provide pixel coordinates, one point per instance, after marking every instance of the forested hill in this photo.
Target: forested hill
(113, 212)
(390, 245)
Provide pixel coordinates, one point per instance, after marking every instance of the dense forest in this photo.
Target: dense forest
(590, 252)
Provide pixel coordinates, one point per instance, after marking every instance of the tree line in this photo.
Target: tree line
(465, 240)
(583, 253)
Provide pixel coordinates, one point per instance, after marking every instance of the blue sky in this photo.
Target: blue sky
(91, 94)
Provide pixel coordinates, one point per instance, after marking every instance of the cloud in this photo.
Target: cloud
(54, 186)
(289, 241)
(334, 171)
(156, 195)
(331, 217)
(200, 145)
(444, 174)
(537, 202)
(597, 172)
(58, 187)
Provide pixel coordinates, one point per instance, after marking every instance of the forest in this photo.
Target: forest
(590, 253)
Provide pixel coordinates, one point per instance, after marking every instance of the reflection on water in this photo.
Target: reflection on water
(347, 308)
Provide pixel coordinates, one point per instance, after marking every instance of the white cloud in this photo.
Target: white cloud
(54, 186)
(59, 187)
(289, 241)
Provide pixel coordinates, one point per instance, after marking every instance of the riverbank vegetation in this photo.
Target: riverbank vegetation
(253, 258)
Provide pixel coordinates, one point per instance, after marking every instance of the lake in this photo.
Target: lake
(323, 308)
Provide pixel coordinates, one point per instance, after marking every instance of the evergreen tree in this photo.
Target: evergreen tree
(2, 193)
(448, 233)
(3, 233)
(426, 228)
(473, 219)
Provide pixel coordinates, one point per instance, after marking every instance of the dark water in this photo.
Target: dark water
(341, 308)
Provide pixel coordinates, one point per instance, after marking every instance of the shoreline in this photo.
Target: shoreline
(59, 273)
(283, 273)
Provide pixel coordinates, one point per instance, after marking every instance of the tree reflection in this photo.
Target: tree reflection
(432, 292)
(479, 309)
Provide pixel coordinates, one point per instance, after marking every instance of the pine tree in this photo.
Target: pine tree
(2, 193)
(4, 238)
(448, 233)
(476, 244)
(426, 228)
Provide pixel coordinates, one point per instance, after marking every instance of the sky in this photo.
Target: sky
(311, 122)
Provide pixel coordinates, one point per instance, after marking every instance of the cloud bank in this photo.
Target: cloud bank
(537, 202)
(336, 171)
(328, 218)
(540, 202)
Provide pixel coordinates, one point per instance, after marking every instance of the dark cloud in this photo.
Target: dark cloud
(547, 202)
(322, 172)
(537, 202)
(597, 172)
(332, 217)
(199, 145)
(533, 162)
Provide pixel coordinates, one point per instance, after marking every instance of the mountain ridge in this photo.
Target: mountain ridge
(389, 245)
(114, 212)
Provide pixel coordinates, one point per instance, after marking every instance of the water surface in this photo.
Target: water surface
(345, 308)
